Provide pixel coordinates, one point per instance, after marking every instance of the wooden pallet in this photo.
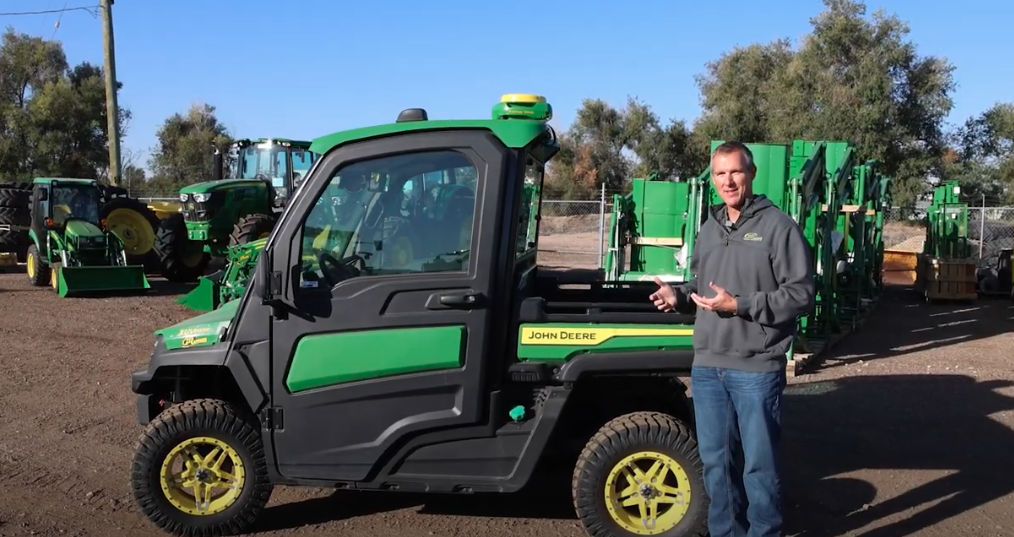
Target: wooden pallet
(801, 360)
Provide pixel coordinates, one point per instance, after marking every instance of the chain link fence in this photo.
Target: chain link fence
(990, 230)
(572, 233)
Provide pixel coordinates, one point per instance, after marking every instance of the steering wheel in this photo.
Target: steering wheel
(340, 270)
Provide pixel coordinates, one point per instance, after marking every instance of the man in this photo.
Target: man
(751, 280)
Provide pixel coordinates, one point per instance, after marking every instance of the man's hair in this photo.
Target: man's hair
(734, 146)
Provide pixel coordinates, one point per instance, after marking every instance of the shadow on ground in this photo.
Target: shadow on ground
(546, 499)
(900, 422)
(904, 323)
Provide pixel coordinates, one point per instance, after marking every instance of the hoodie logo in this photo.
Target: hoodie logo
(753, 237)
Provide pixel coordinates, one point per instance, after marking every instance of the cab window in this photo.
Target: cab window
(388, 216)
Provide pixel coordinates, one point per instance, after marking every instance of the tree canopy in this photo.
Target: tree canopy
(855, 76)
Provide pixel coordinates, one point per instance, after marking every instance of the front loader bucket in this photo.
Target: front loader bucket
(78, 281)
(205, 296)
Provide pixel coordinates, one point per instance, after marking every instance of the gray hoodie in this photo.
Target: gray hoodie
(765, 262)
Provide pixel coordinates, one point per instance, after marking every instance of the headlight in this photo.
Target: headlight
(184, 197)
(201, 198)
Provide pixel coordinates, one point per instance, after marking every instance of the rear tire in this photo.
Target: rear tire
(647, 437)
(135, 224)
(233, 452)
(250, 228)
(178, 258)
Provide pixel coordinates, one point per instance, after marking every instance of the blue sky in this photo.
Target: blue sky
(318, 66)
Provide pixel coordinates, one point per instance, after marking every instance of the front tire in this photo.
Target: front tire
(221, 450)
(641, 475)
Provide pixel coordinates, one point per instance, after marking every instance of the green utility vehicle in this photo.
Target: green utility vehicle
(71, 248)
(382, 345)
(240, 204)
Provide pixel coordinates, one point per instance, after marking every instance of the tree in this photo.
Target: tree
(984, 159)
(52, 117)
(853, 78)
(607, 145)
(185, 146)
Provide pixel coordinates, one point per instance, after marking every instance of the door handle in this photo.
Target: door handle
(459, 301)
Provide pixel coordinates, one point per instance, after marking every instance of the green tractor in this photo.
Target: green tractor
(384, 345)
(240, 204)
(71, 247)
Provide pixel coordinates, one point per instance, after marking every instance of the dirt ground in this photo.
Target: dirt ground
(908, 430)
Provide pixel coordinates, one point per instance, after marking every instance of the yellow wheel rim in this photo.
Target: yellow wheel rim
(264, 235)
(209, 466)
(133, 229)
(54, 277)
(647, 493)
(30, 265)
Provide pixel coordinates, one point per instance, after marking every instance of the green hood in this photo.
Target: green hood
(82, 228)
(200, 331)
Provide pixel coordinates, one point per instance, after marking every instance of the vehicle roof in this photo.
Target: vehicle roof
(49, 180)
(514, 133)
(222, 184)
(298, 143)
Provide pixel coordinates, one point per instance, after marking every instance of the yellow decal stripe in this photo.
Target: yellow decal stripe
(593, 336)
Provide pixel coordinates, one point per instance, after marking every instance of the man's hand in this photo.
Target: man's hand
(665, 297)
(722, 301)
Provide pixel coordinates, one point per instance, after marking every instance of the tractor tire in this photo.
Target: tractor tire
(250, 228)
(642, 440)
(38, 273)
(15, 198)
(179, 260)
(135, 224)
(220, 445)
(15, 216)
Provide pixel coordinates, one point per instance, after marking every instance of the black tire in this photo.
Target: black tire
(208, 418)
(250, 228)
(623, 437)
(15, 198)
(172, 247)
(15, 216)
(39, 273)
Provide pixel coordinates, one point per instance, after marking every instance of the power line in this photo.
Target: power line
(90, 9)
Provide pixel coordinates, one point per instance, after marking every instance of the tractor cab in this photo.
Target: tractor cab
(397, 334)
(281, 163)
(59, 203)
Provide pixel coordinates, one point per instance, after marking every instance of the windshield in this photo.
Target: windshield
(75, 201)
(396, 214)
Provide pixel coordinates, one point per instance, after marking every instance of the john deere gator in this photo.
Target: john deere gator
(381, 347)
(71, 247)
(240, 204)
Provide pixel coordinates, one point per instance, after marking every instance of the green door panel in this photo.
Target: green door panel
(323, 360)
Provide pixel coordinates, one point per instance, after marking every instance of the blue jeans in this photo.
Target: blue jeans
(738, 417)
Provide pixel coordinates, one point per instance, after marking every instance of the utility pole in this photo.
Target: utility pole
(112, 109)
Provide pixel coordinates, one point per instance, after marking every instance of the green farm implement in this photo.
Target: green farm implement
(398, 335)
(71, 248)
(946, 269)
(239, 205)
(836, 199)
(227, 284)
